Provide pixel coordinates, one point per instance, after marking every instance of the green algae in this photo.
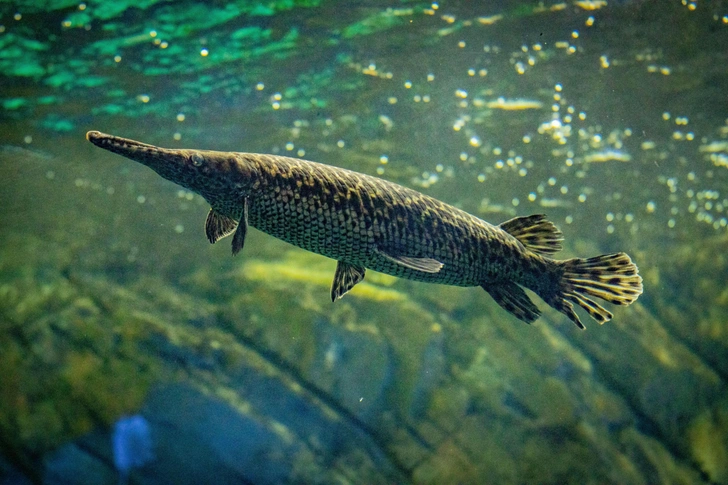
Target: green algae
(20, 56)
(173, 28)
(186, 19)
(78, 20)
(109, 109)
(378, 22)
(14, 103)
(708, 447)
(57, 124)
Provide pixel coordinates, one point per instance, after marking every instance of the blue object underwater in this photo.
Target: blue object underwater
(131, 444)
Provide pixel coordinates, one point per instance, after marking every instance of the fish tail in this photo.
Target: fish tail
(611, 277)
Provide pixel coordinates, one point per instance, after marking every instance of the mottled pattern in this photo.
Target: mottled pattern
(367, 222)
(353, 217)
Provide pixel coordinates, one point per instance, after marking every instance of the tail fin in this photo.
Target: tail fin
(611, 277)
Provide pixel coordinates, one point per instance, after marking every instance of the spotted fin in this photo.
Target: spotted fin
(513, 299)
(536, 233)
(611, 277)
(217, 226)
(426, 265)
(345, 278)
(239, 237)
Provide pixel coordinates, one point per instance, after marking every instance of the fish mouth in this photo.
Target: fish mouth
(117, 144)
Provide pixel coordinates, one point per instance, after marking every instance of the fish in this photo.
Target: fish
(365, 222)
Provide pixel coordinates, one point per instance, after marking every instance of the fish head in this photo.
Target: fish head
(216, 176)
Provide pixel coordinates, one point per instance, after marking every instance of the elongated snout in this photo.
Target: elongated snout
(149, 155)
(177, 165)
(209, 173)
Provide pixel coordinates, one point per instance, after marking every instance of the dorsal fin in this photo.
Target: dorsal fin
(535, 232)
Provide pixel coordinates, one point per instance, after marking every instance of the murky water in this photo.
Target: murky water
(611, 119)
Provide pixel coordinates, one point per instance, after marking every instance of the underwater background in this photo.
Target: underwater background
(132, 351)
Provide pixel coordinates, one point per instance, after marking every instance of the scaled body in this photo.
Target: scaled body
(367, 222)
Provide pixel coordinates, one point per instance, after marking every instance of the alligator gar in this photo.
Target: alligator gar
(365, 222)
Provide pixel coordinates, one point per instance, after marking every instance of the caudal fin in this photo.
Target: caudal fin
(611, 277)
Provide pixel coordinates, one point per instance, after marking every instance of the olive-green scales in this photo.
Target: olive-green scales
(366, 222)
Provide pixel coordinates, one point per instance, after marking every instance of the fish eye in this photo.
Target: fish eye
(197, 159)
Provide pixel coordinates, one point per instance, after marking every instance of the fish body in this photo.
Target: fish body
(367, 222)
(370, 222)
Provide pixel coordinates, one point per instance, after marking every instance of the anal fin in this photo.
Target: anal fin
(426, 265)
(218, 226)
(513, 299)
(535, 232)
(346, 276)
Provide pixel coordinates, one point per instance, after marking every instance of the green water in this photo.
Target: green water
(613, 121)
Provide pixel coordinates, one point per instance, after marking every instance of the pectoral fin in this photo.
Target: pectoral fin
(239, 237)
(426, 265)
(346, 276)
(513, 299)
(217, 226)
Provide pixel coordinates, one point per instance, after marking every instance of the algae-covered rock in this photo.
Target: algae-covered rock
(708, 443)
(695, 312)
